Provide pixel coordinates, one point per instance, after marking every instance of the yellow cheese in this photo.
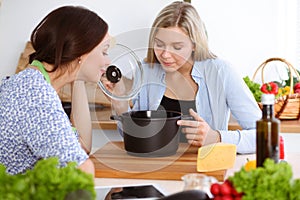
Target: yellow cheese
(215, 157)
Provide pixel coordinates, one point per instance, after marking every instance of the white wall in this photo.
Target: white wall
(244, 32)
(18, 19)
(250, 31)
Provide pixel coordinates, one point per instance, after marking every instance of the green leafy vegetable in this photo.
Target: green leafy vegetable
(47, 181)
(288, 81)
(254, 88)
(272, 181)
(295, 193)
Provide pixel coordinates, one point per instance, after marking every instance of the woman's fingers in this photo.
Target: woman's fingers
(196, 116)
(193, 123)
(196, 130)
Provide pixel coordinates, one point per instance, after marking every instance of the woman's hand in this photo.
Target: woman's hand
(116, 89)
(198, 132)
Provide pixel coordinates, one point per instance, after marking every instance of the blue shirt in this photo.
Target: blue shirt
(221, 91)
(33, 124)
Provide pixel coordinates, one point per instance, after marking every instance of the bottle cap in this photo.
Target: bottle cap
(267, 99)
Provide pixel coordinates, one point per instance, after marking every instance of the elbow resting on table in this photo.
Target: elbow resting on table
(88, 167)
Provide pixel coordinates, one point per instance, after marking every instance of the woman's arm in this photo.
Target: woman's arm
(245, 110)
(80, 115)
(119, 107)
(88, 167)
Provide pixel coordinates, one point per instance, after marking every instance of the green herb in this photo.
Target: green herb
(254, 88)
(288, 81)
(295, 193)
(272, 181)
(47, 181)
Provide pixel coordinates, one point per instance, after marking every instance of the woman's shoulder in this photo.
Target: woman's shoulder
(152, 71)
(215, 65)
(30, 82)
(215, 62)
(27, 76)
(153, 67)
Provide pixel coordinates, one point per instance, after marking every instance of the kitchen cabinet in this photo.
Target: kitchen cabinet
(286, 126)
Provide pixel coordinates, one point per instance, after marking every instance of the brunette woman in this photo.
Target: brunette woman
(71, 45)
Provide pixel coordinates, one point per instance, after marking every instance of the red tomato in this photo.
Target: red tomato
(225, 188)
(227, 197)
(215, 189)
(238, 198)
(217, 198)
(234, 192)
(227, 181)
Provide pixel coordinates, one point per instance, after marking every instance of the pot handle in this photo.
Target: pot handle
(187, 117)
(116, 117)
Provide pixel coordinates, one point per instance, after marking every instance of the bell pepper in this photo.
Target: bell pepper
(297, 85)
(297, 88)
(269, 88)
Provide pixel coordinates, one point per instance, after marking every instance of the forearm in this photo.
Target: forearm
(245, 140)
(212, 137)
(80, 115)
(88, 167)
(119, 107)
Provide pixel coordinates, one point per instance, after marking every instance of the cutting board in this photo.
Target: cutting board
(112, 161)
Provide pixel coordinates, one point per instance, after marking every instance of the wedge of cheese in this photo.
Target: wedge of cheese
(218, 156)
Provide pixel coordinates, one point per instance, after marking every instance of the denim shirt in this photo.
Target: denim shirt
(221, 91)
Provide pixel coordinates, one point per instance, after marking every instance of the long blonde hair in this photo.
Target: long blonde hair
(183, 15)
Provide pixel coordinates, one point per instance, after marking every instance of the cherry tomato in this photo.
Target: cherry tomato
(225, 188)
(215, 189)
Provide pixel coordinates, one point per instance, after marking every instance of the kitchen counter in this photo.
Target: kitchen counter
(101, 120)
(173, 186)
(292, 155)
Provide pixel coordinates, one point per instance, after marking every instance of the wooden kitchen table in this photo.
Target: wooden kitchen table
(112, 161)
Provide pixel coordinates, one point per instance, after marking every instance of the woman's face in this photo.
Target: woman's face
(173, 48)
(93, 64)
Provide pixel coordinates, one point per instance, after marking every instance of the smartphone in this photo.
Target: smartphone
(129, 192)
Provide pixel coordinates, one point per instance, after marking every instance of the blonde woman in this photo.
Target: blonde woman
(182, 74)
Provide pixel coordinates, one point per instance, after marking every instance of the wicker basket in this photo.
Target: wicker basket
(287, 106)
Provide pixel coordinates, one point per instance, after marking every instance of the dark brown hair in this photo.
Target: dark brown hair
(65, 34)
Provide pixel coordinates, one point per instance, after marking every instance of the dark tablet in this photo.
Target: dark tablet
(129, 192)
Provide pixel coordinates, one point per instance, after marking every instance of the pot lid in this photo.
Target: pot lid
(123, 78)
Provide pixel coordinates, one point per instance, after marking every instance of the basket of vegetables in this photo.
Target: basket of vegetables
(287, 92)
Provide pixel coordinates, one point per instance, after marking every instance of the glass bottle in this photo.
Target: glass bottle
(267, 132)
(197, 181)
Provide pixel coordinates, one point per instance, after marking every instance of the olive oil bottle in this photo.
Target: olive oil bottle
(267, 132)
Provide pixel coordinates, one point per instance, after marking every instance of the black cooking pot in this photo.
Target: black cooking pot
(150, 133)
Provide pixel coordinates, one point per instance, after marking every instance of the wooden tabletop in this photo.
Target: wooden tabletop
(101, 120)
(112, 161)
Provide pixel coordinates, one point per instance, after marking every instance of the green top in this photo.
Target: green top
(41, 67)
